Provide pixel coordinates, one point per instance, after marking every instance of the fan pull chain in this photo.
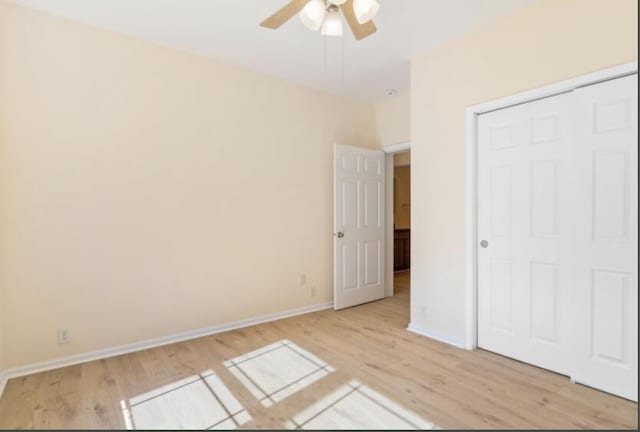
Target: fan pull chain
(342, 83)
(324, 57)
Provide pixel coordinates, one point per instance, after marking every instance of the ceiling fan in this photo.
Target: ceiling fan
(324, 15)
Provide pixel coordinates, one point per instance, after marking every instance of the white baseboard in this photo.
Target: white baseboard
(459, 343)
(3, 382)
(151, 343)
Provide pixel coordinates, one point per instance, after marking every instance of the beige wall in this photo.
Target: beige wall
(1, 335)
(549, 41)
(4, 130)
(402, 197)
(393, 119)
(145, 191)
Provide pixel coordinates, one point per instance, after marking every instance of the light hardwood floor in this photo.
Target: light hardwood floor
(449, 387)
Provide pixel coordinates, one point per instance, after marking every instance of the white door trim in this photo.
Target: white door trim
(471, 196)
(397, 148)
(390, 151)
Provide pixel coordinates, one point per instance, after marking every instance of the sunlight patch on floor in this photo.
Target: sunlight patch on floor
(277, 371)
(356, 406)
(271, 374)
(197, 402)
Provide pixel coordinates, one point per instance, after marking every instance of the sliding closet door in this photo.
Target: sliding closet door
(524, 228)
(557, 233)
(606, 275)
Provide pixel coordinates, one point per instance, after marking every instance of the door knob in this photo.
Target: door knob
(484, 244)
(340, 235)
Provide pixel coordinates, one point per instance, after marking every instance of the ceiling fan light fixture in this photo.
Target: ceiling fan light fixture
(338, 2)
(365, 10)
(332, 25)
(312, 15)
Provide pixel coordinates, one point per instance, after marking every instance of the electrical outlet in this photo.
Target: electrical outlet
(303, 279)
(63, 336)
(312, 292)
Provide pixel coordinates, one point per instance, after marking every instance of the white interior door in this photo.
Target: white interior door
(606, 276)
(359, 178)
(524, 203)
(558, 210)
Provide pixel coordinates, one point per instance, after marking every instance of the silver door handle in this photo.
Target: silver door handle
(339, 234)
(484, 244)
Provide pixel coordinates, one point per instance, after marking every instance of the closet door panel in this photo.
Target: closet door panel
(605, 149)
(524, 202)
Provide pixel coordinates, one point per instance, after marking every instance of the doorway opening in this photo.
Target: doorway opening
(398, 217)
(402, 223)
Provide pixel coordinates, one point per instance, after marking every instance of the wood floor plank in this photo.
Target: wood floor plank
(451, 387)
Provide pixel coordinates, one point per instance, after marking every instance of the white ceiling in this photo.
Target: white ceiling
(228, 30)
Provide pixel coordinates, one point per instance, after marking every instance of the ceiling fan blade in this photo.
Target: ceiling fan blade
(284, 14)
(360, 31)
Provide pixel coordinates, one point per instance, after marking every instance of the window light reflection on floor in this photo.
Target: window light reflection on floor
(276, 371)
(197, 402)
(356, 406)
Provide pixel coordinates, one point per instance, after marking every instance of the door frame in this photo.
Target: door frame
(471, 172)
(390, 151)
